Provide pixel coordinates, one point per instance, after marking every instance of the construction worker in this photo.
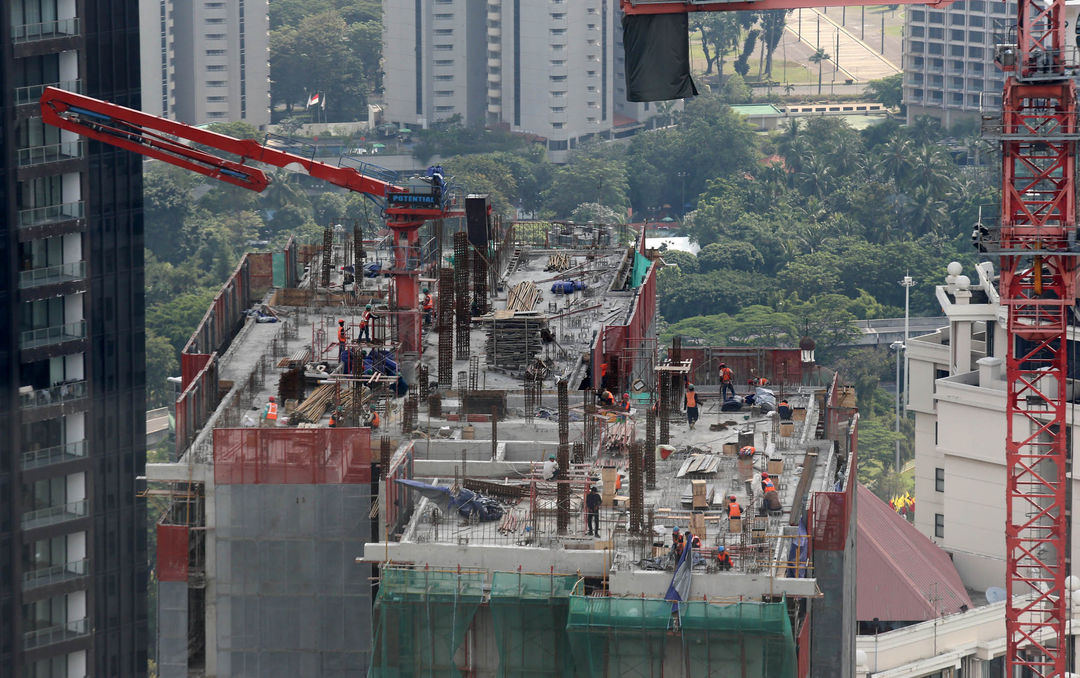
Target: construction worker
(767, 484)
(551, 468)
(343, 340)
(690, 402)
(592, 512)
(366, 319)
(625, 404)
(727, 381)
(676, 542)
(269, 417)
(757, 381)
(429, 307)
(784, 410)
(733, 508)
(723, 560)
(747, 451)
(333, 419)
(606, 398)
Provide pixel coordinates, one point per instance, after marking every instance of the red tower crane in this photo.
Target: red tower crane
(1038, 132)
(407, 207)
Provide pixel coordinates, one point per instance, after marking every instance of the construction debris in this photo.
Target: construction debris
(522, 297)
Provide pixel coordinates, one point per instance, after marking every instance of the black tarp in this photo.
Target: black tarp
(657, 50)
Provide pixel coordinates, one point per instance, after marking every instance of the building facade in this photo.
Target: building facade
(551, 69)
(206, 61)
(949, 69)
(73, 568)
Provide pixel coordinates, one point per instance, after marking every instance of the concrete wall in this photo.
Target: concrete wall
(832, 636)
(291, 600)
(172, 640)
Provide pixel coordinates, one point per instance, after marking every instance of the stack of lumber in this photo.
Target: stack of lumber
(558, 262)
(320, 400)
(513, 340)
(522, 297)
(699, 464)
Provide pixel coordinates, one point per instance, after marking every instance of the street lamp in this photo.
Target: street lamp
(907, 283)
(897, 346)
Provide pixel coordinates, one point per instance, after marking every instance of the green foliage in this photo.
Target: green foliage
(176, 319)
(161, 363)
(451, 138)
(889, 90)
(589, 179)
(238, 129)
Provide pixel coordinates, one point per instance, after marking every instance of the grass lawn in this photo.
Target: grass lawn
(796, 73)
(894, 30)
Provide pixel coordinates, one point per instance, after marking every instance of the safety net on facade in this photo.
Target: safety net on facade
(529, 612)
(754, 636)
(420, 621)
(618, 636)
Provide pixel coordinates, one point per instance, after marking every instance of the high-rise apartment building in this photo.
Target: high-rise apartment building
(72, 530)
(949, 69)
(206, 60)
(551, 69)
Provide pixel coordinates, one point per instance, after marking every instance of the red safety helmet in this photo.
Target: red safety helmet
(765, 474)
(271, 398)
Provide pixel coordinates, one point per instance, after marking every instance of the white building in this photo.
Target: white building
(553, 69)
(205, 60)
(957, 392)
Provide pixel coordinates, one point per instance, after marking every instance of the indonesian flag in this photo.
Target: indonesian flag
(313, 100)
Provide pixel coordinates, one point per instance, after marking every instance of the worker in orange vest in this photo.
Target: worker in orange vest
(767, 483)
(606, 398)
(343, 339)
(722, 558)
(270, 413)
(429, 307)
(366, 319)
(757, 381)
(727, 381)
(733, 509)
(690, 402)
(625, 404)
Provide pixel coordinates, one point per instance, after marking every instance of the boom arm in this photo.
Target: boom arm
(687, 6)
(163, 139)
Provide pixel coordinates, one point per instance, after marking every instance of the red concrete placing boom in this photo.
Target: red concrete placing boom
(407, 208)
(1036, 245)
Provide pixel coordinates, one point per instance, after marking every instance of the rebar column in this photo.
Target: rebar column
(384, 456)
(445, 327)
(461, 296)
(637, 489)
(494, 434)
(563, 503)
(578, 455)
(665, 407)
(422, 381)
(409, 413)
(327, 256)
(650, 449)
(589, 432)
(480, 283)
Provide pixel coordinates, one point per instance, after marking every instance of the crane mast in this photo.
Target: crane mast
(1038, 134)
(1038, 288)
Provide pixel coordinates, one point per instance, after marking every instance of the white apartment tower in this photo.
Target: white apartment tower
(548, 68)
(206, 60)
(949, 69)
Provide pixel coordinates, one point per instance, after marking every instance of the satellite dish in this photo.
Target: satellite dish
(995, 594)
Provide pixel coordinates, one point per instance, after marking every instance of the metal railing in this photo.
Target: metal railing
(49, 275)
(57, 334)
(61, 393)
(55, 634)
(51, 515)
(54, 455)
(39, 155)
(46, 30)
(49, 214)
(31, 94)
(54, 574)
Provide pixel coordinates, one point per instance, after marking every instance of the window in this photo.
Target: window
(939, 480)
(444, 31)
(956, 19)
(444, 92)
(558, 145)
(976, 21)
(215, 52)
(956, 34)
(444, 48)
(215, 83)
(215, 100)
(215, 21)
(216, 114)
(976, 36)
(444, 77)
(936, 33)
(939, 525)
(558, 78)
(216, 67)
(916, 46)
(444, 109)
(937, 17)
(215, 5)
(558, 31)
(917, 31)
(444, 62)
(917, 14)
(215, 36)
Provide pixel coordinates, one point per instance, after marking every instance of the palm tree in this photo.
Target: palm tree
(896, 159)
(817, 57)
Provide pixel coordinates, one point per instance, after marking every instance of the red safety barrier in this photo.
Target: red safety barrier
(172, 552)
(307, 456)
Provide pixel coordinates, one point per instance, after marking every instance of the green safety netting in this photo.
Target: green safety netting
(420, 620)
(618, 636)
(529, 612)
(754, 636)
(641, 267)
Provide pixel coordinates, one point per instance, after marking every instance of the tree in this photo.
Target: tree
(818, 57)
(742, 67)
(161, 363)
(772, 31)
(587, 179)
(889, 90)
(167, 204)
(718, 32)
(239, 129)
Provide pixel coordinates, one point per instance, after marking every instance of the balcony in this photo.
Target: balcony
(51, 515)
(56, 574)
(39, 155)
(51, 275)
(61, 28)
(58, 334)
(54, 455)
(51, 214)
(31, 94)
(55, 634)
(61, 393)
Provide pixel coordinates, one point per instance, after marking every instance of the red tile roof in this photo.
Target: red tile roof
(901, 575)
